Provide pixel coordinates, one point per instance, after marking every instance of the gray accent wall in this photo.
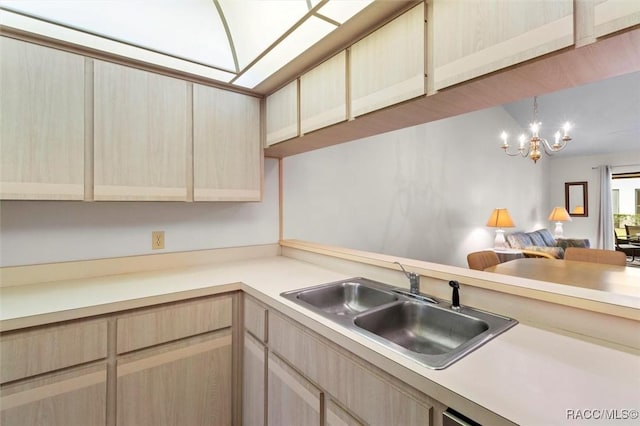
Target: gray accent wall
(423, 192)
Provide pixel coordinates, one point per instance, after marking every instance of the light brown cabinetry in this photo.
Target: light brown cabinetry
(369, 394)
(42, 380)
(164, 365)
(188, 382)
(310, 380)
(178, 364)
(42, 122)
(388, 66)
(226, 145)
(323, 94)
(610, 16)
(73, 397)
(282, 114)
(141, 134)
(293, 400)
(253, 382)
(471, 39)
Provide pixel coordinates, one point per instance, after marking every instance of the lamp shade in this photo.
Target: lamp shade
(559, 214)
(500, 219)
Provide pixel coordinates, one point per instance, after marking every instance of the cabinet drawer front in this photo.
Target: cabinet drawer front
(255, 319)
(378, 401)
(168, 323)
(27, 353)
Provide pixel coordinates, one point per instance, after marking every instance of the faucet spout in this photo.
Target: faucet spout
(414, 280)
(455, 297)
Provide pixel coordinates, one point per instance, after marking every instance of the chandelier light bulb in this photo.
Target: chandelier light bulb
(504, 136)
(522, 139)
(566, 128)
(535, 128)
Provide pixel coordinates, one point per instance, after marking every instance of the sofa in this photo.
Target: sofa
(540, 243)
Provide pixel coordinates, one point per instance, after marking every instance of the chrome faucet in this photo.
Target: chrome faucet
(414, 280)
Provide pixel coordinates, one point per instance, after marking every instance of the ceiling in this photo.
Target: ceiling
(238, 42)
(605, 116)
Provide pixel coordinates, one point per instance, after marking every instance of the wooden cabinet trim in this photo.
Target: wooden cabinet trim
(611, 16)
(53, 389)
(129, 367)
(163, 324)
(32, 352)
(255, 319)
(387, 66)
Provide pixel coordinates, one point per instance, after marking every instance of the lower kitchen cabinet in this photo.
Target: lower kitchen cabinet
(253, 382)
(313, 381)
(76, 397)
(293, 400)
(187, 383)
(338, 416)
(169, 364)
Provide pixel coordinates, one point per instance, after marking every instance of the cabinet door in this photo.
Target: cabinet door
(140, 135)
(292, 399)
(615, 15)
(323, 94)
(376, 398)
(388, 66)
(226, 145)
(253, 382)
(41, 123)
(282, 114)
(338, 416)
(75, 397)
(188, 383)
(473, 38)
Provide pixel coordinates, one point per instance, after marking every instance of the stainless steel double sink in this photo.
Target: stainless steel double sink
(423, 328)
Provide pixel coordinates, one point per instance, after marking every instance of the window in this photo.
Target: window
(625, 198)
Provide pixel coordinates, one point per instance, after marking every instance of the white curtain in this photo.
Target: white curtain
(605, 211)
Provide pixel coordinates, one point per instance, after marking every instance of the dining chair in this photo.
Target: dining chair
(481, 260)
(609, 257)
(623, 245)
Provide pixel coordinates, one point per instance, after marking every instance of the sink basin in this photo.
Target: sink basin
(422, 328)
(345, 298)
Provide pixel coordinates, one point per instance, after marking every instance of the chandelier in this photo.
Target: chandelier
(532, 149)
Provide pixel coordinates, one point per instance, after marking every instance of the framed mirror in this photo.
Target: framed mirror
(576, 198)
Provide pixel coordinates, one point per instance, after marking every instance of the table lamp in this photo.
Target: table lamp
(559, 215)
(500, 219)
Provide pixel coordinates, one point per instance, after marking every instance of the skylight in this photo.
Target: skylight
(240, 42)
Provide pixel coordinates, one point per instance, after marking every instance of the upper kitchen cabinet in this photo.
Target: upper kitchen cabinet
(610, 16)
(471, 39)
(388, 66)
(142, 134)
(323, 94)
(282, 114)
(227, 154)
(42, 122)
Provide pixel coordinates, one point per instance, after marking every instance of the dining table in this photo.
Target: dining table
(596, 276)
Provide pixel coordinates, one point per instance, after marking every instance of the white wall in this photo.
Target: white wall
(576, 169)
(51, 231)
(423, 192)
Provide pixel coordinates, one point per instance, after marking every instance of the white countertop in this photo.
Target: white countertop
(526, 375)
